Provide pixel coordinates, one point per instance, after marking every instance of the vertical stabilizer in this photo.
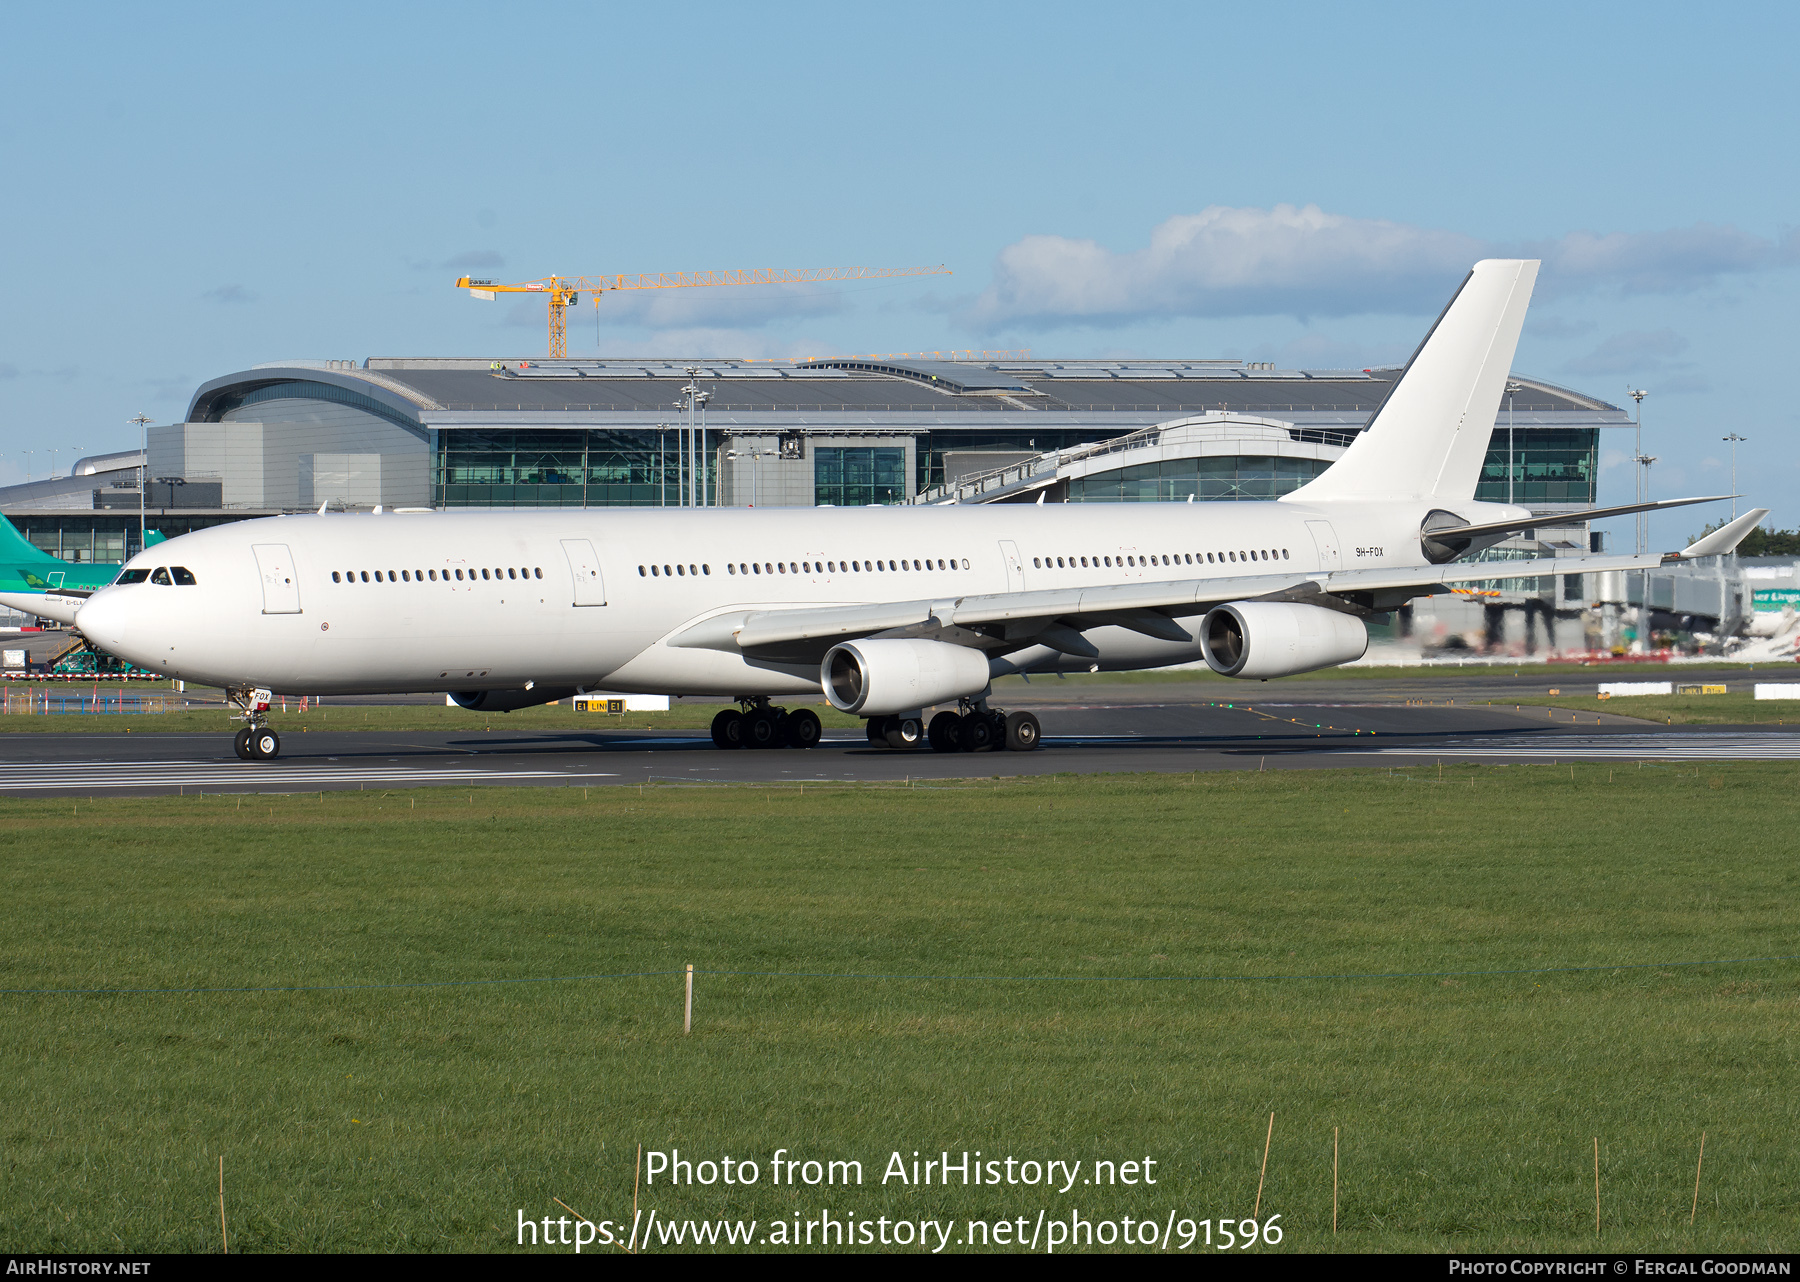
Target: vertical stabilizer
(16, 549)
(1429, 436)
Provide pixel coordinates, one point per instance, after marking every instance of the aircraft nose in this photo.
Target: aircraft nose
(104, 619)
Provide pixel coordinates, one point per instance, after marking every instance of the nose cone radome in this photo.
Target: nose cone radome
(105, 620)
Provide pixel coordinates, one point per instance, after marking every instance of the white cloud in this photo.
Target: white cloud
(1676, 261)
(228, 294)
(1289, 260)
(1303, 261)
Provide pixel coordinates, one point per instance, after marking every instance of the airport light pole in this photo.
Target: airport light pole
(1640, 523)
(1734, 438)
(143, 471)
(1512, 389)
(1643, 523)
(1644, 461)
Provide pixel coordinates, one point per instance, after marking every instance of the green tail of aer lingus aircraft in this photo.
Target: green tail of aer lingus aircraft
(33, 578)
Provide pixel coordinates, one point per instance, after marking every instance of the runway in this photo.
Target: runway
(1087, 730)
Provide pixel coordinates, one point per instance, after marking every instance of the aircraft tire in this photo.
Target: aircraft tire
(904, 733)
(876, 729)
(1022, 732)
(763, 729)
(240, 743)
(977, 733)
(803, 729)
(945, 732)
(728, 729)
(265, 745)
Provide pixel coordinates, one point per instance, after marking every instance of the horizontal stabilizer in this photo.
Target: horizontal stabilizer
(1726, 537)
(1570, 518)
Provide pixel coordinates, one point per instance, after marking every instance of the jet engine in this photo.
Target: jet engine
(507, 700)
(880, 678)
(1256, 640)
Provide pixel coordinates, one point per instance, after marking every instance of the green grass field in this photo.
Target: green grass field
(1735, 708)
(1063, 922)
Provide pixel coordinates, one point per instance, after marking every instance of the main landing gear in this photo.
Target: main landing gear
(255, 742)
(760, 726)
(974, 727)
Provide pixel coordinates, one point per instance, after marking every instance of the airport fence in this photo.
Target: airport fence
(62, 700)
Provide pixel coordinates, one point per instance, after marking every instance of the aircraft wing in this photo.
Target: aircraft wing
(1056, 616)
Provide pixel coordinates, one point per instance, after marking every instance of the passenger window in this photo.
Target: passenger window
(336, 577)
(183, 576)
(642, 573)
(511, 573)
(729, 568)
(756, 569)
(459, 576)
(433, 574)
(681, 570)
(705, 569)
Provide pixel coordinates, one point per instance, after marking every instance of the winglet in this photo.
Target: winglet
(1726, 537)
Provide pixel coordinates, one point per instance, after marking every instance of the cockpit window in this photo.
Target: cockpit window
(183, 576)
(133, 576)
(161, 575)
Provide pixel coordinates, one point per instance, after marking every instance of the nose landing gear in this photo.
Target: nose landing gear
(255, 742)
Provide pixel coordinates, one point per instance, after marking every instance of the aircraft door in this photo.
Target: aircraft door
(280, 585)
(1325, 539)
(590, 588)
(1015, 565)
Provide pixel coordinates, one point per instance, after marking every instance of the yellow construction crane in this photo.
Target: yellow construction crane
(563, 292)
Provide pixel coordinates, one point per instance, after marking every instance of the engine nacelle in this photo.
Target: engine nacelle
(507, 700)
(1256, 640)
(879, 678)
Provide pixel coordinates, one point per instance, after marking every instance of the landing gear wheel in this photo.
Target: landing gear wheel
(803, 729)
(945, 732)
(977, 732)
(728, 729)
(265, 745)
(240, 743)
(762, 729)
(876, 729)
(1022, 732)
(904, 733)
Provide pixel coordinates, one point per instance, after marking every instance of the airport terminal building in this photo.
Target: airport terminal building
(481, 433)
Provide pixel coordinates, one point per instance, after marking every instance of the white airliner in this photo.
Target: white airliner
(887, 611)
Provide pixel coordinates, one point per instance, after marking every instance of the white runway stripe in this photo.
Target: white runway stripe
(1621, 747)
(210, 774)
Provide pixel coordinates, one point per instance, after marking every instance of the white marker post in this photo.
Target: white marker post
(687, 1019)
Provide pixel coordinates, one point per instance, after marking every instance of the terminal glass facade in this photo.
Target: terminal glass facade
(1174, 480)
(576, 468)
(852, 476)
(1549, 465)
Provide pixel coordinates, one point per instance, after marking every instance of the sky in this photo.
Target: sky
(189, 190)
